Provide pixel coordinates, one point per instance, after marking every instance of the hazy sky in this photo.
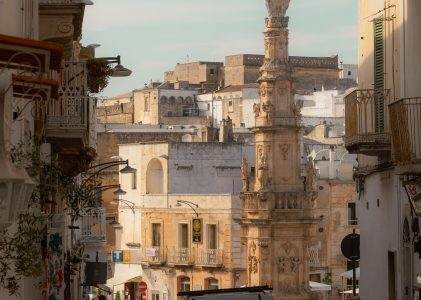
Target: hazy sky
(152, 36)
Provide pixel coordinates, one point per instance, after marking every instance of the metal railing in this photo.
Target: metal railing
(209, 257)
(405, 123)
(366, 117)
(153, 255)
(181, 256)
(313, 256)
(93, 228)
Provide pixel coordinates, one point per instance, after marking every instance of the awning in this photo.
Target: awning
(135, 279)
(348, 274)
(357, 291)
(317, 286)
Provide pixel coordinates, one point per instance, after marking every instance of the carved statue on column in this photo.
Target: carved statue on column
(267, 108)
(277, 8)
(245, 176)
(256, 109)
(263, 167)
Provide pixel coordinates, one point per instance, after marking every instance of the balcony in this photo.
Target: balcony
(153, 256)
(93, 225)
(367, 122)
(181, 256)
(209, 258)
(405, 124)
(70, 121)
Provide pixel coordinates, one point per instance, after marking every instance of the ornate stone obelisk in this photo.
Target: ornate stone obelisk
(276, 215)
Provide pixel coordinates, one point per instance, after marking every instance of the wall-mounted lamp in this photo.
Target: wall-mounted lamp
(118, 70)
(190, 204)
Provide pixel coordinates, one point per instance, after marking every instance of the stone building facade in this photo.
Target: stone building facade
(206, 76)
(177, 184)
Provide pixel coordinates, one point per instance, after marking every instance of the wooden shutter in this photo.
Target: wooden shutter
(379, 73)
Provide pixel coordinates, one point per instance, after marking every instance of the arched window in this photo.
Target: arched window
(155, 178)
(180, 100)
(189, 100)
(171, 100)
(164, 100)
(184, 284)
(212, 284)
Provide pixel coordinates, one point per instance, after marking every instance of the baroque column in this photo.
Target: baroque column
(276, 212)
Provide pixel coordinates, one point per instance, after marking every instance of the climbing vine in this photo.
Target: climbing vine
(23, 246)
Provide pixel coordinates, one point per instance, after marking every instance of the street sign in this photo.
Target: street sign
(143, 286)
(350, 246)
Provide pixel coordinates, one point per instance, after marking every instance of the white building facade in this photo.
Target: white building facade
(382, 127)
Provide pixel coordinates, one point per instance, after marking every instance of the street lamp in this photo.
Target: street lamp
(118, 70)
(190, 204)
(130, 204)
(127, 169)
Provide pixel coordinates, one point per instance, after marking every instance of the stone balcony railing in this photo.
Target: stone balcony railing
(181, 256)
(367, 122)
(209, 258)
(93, 229)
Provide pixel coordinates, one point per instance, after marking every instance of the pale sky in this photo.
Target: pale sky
(153, 36)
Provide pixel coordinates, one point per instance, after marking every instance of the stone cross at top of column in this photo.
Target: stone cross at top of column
(277, 8)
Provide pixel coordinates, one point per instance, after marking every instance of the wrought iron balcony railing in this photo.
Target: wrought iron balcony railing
(93, 228)
(209, 257)
(313, 256)
(153, 255)
(367, 122)
(181, 256)
(74, 112)
(405, 123)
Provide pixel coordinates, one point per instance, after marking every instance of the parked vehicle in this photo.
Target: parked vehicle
(246, 293)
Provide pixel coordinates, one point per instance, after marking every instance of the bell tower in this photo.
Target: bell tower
(276, 211)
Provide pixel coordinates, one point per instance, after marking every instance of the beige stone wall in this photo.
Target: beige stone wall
(146, 106)
(196, 73)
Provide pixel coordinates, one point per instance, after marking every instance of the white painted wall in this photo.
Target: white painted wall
(327, 104)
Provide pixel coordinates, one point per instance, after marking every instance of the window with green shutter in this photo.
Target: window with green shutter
(379, 72)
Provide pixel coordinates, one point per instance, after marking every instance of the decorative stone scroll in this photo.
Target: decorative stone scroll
(253, 260)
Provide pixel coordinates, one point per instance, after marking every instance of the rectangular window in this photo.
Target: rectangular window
(352, 214)
(208, 106)
(134, 180)
(212, 72)
(230, 106)
(156, 235)
(183, 236)
(212, 237)
(155, 295)
(147, 103)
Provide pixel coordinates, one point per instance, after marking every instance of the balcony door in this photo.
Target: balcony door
(183, 242)
(211, 243)
(211, 236)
